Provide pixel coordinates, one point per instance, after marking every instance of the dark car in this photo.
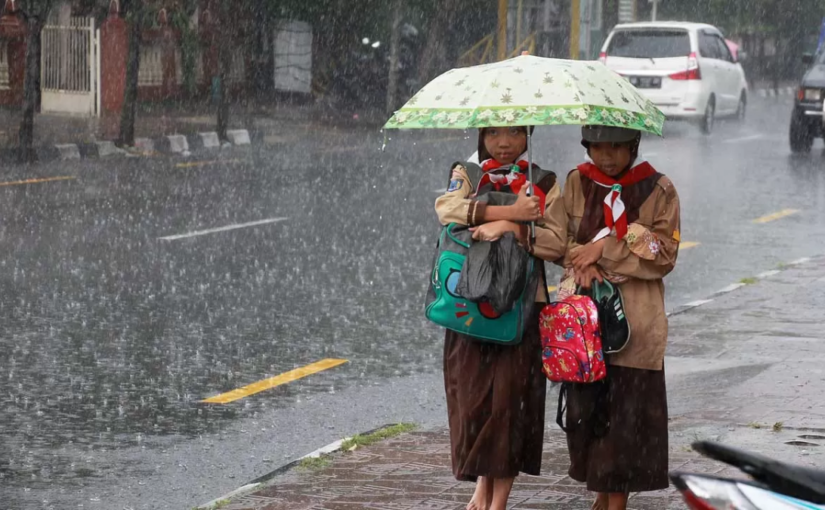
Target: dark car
(807, 116)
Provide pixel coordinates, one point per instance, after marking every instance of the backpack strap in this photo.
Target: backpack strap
(474, 172)
(562, 409)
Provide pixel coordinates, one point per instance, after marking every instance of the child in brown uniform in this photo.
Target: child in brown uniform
(623, 225)
(496, 393)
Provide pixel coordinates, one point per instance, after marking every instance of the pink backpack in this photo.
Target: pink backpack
(571, 342)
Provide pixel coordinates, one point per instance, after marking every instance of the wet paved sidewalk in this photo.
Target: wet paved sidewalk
(412, 472)
(745, 369)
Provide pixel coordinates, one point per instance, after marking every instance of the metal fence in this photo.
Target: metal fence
(70, 72)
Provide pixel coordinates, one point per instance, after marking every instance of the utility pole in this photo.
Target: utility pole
(575, 28)
(503, 8)
(586, 15)
(655, 9)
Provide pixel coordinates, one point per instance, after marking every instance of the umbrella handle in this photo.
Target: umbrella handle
(530, 178)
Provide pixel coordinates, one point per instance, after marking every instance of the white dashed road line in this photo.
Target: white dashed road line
(221, 229)
(744, 139)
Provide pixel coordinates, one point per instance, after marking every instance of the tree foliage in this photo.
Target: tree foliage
(789, 27)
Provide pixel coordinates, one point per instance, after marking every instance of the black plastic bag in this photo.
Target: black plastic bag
(495, 272)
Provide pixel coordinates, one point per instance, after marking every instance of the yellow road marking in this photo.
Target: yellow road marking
(776, 216)
(192, 164)
(688, 245)
(38, 181)
(278, 380)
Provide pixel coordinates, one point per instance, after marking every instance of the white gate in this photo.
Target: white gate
(70, 68)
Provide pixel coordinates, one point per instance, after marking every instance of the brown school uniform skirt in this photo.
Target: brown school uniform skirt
(495, 403)
(617, 434)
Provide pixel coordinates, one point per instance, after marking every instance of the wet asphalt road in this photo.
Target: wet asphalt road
(113, 328)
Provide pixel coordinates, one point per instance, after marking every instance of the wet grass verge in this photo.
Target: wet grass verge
(314, 463)
(359, 440)
(353, 443)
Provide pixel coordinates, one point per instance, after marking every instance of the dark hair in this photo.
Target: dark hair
(483, 154)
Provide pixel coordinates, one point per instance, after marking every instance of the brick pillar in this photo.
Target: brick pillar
(114, 50)
(14, 31)
(17, 69)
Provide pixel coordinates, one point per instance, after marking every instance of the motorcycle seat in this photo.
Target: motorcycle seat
(791, 480)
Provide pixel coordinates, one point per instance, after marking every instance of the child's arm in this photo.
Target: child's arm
(551, 230)
(648, 254)
(457, 206)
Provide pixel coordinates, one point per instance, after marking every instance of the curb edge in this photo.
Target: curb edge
(736, 286)
(331, 448)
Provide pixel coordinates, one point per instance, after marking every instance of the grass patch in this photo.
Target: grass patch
(359, 441)
(218, 504)
(748, 281)
(778, 426)
(314, 463)
(755, 425)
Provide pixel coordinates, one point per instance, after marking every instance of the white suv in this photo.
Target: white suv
(686, 69)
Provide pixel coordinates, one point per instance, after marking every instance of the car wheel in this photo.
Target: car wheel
(709, 119)
(742, 108)
(801, 133)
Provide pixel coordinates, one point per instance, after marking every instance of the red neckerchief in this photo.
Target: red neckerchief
(491, 164)
(514, 180)
(615, 215)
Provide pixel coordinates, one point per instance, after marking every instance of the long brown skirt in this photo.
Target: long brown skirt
(617, 433)
(495, 403)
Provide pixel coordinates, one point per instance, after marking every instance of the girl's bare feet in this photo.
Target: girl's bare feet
(483, 495)
(602, 501)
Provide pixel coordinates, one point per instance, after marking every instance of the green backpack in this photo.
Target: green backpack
(477, 320)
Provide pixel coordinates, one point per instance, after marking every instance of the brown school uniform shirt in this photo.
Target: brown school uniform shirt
(645, 256)
(458, 206)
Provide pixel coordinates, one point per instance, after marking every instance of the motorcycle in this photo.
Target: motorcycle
(774, 486)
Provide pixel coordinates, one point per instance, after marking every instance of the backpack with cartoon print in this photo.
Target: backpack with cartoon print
(571, 341)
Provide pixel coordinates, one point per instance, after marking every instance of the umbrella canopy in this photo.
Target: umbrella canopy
(529, 91)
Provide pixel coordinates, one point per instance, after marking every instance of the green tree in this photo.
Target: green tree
(788, 24)
(180, 18)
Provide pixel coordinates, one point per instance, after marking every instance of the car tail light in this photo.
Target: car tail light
(705, 493)
(800, 94)
(603, 57)
(693, 72)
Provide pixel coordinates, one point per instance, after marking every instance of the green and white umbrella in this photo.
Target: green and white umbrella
(529, 91)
